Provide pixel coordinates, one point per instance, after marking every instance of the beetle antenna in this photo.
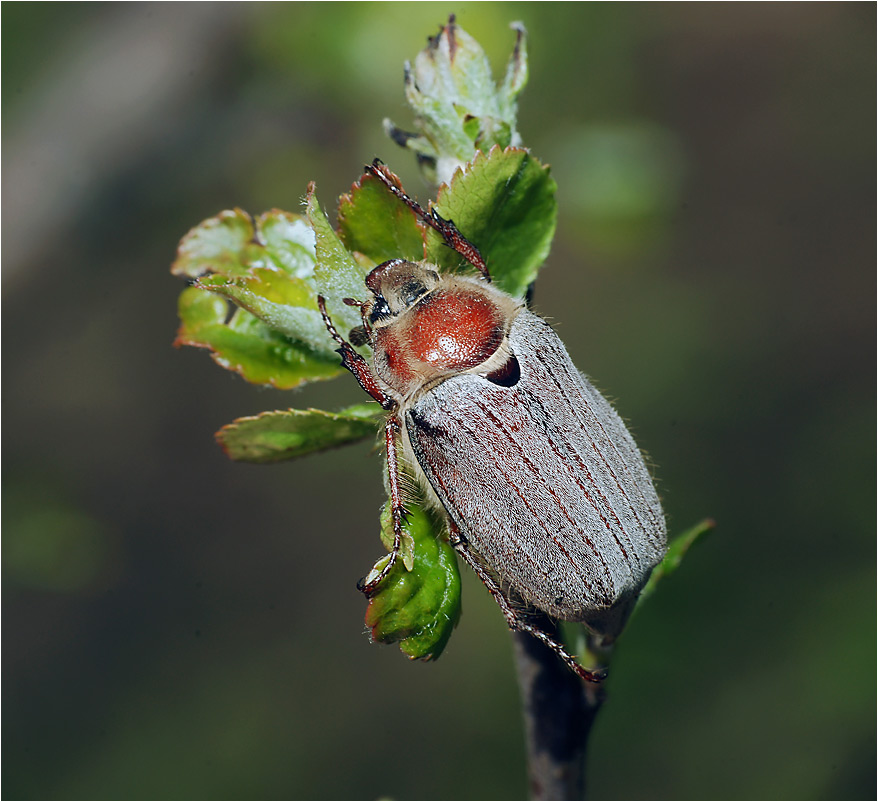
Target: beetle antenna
(327, 321)
(445, 228)
(361, 305)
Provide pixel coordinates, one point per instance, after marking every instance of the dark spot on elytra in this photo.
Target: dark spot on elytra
(507, 375)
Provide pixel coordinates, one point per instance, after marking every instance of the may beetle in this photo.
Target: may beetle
(545, 493)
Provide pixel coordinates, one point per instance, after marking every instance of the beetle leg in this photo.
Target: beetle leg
(397, 509)
(355, 363)
(515, 620)
(446, 228)
(363, 374)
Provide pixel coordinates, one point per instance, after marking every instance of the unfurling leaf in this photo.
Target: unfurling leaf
(458, 108)
(417, 608)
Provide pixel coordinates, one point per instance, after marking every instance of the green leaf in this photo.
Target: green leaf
(407, 547)
(284, 434)
(418, 608)
(374, 223)
(286, 304)
(516, 74)
(266, 267)
(220, 244)
(288, 241)
(677, 549)
(337, 273)
(232, 243)
(247, 346)
(458, 109)
(503, 202)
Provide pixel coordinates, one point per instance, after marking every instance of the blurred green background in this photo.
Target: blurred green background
(178, 626)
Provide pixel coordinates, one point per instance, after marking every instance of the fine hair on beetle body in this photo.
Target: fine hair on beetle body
(544, 491)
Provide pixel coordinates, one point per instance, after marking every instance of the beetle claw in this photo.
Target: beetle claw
(595, 675)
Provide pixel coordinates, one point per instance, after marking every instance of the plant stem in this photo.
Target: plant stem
(559, 710)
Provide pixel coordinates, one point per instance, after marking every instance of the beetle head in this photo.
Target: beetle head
(397, 286)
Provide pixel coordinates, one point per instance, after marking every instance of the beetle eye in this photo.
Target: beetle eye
(380, 310)
(410, 292)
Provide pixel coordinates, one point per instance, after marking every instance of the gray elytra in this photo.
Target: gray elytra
(546, 495)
